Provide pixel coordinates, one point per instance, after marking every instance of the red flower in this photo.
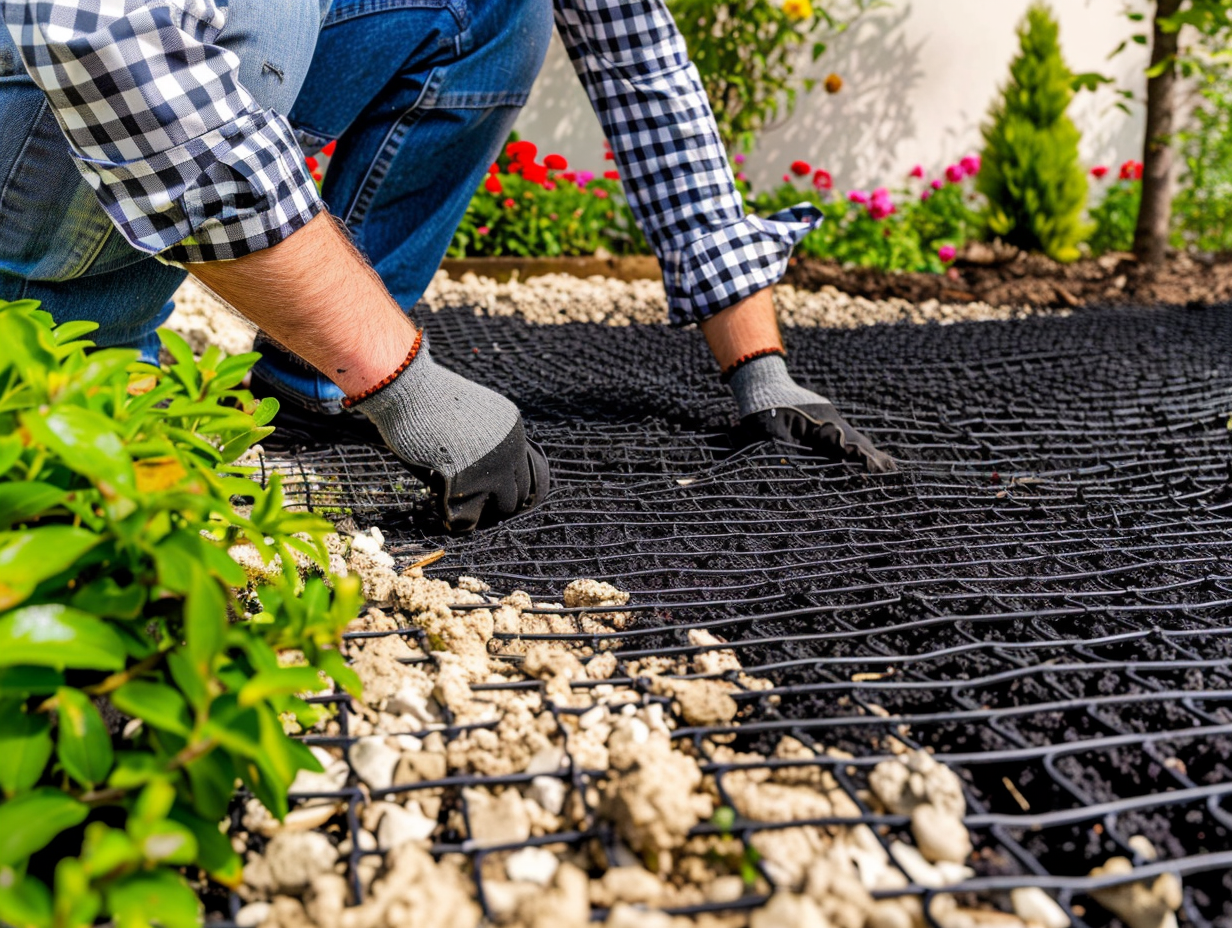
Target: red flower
(494, 170)
(313, 165)
(1132, 170)
(611, 175)
(318, 178)
(600, 193)
(801, 168)
(787, 178)
(555, 163)
(522, 151)
(484, 230)
(1099, 172)
(609, 156)
(515, 168)
(822, 179)
(570, 176)
(493, 185)
(510, 203)
(535, 173)
(328, 150)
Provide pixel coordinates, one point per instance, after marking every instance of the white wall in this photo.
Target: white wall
(919, 79)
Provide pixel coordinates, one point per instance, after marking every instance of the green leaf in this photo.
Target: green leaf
(214, 852)
(30, 557)
(71, 331)
(83, 744)
(160, 898)
(10, 450)
(285, 681)
(107, 850)
(21, 501)
(86, 442)
(30, 821)
(156, 705)
(59, 637)
(25, 749)
(177, 347)
(205, 618)
(334, 664)
(24, 682)
(24, 901)
(76, 902)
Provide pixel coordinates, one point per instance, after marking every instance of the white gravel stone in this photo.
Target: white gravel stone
(1032, 904)
(532, 865)
(295, 859)
(374, 761)
(253, 914)
(549, 792)
(400, 825)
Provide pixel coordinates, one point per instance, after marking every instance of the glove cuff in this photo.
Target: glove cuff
(730, 371)
(350, 402)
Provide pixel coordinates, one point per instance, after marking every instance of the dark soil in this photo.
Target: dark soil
(1006, 277)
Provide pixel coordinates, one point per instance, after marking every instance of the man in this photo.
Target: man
(147, 139)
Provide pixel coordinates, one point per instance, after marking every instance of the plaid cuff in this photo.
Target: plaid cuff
(238, 189)
(730, 264)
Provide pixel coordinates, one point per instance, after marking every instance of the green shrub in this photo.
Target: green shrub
(1116, 216)
(1035, 185)
(118, 504)
(1203, 205)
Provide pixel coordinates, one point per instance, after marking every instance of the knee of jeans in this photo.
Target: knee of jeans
(274, 41)
(521, 41)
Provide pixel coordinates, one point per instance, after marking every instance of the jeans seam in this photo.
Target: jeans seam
(380, 165)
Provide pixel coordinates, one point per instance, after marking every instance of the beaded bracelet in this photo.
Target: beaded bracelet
(350, 401)
(751, 356)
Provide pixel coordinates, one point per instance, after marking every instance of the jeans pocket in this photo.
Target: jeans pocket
(51, 224)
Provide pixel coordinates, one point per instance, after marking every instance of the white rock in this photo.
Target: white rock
(532, 865)
(924, 873)
(408, 701)
(372, 544)
(253, 915)
(399, 826)
(549, 760)
(939, 835)
(1032, 904)
(296, 858)
(549, 792)
(331, 781)
(786, 909)
(374, 761)
(496, 821)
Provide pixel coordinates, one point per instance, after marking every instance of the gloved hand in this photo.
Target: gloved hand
(464, 441)
(773, 406)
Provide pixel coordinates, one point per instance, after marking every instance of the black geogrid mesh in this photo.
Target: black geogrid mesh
(1042, 595)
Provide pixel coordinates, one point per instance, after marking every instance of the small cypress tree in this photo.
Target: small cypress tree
(1035, 185)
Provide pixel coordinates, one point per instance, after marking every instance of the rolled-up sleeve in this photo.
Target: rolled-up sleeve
(185, 162)
(635, 67)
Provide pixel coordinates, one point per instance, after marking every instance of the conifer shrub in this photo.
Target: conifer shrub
(1033, 179)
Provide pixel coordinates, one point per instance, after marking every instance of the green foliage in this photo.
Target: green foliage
(1203, 205)
(118, 506)
(909, 239)
(1032, 177)
(530, 220)
(747, 52)
(1116, 217)
(1209, 22)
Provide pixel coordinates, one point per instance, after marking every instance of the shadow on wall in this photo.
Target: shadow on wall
(858, 133)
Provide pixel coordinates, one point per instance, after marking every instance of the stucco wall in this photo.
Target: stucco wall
(919, 78)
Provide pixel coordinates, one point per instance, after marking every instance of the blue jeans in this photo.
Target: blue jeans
(420, 95)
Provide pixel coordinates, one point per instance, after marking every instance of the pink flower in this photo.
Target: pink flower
(740, 159)
(787, 178)
(585, 177)
(742, 177)
(549, 185)
(858, 196)
(971, 165)
(1099, 172)
(926, 196)
(937, 184)
(947, 253)
(484, 230)
(917, 171)
(955, 173)
(600, 193)
(881, 206)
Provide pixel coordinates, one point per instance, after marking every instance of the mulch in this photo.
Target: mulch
(1003, 276)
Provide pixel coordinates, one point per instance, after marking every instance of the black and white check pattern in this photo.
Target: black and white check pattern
(184, 161)
(190, 167)
(635, 67)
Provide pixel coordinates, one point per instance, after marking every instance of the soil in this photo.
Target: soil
(1006, 277)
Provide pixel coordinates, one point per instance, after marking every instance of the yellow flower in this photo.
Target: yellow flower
(798, 9)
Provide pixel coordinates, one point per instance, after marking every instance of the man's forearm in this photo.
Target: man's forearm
(315, 294)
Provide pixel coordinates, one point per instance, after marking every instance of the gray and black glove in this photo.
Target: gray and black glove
(773, 406)
(464, 441)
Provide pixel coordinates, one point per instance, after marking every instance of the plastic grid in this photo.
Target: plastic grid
(1042, 595)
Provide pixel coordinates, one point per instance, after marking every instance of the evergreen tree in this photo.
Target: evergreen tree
(1035, 185)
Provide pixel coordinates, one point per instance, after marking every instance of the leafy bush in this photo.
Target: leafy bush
(117, 509)
(1116, 216)
(916, 228)
(747, 52)
(1203, 205)
(1035, 185)
(529, 209)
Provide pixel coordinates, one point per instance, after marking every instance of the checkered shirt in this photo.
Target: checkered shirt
(185, 162)
(190, 167)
